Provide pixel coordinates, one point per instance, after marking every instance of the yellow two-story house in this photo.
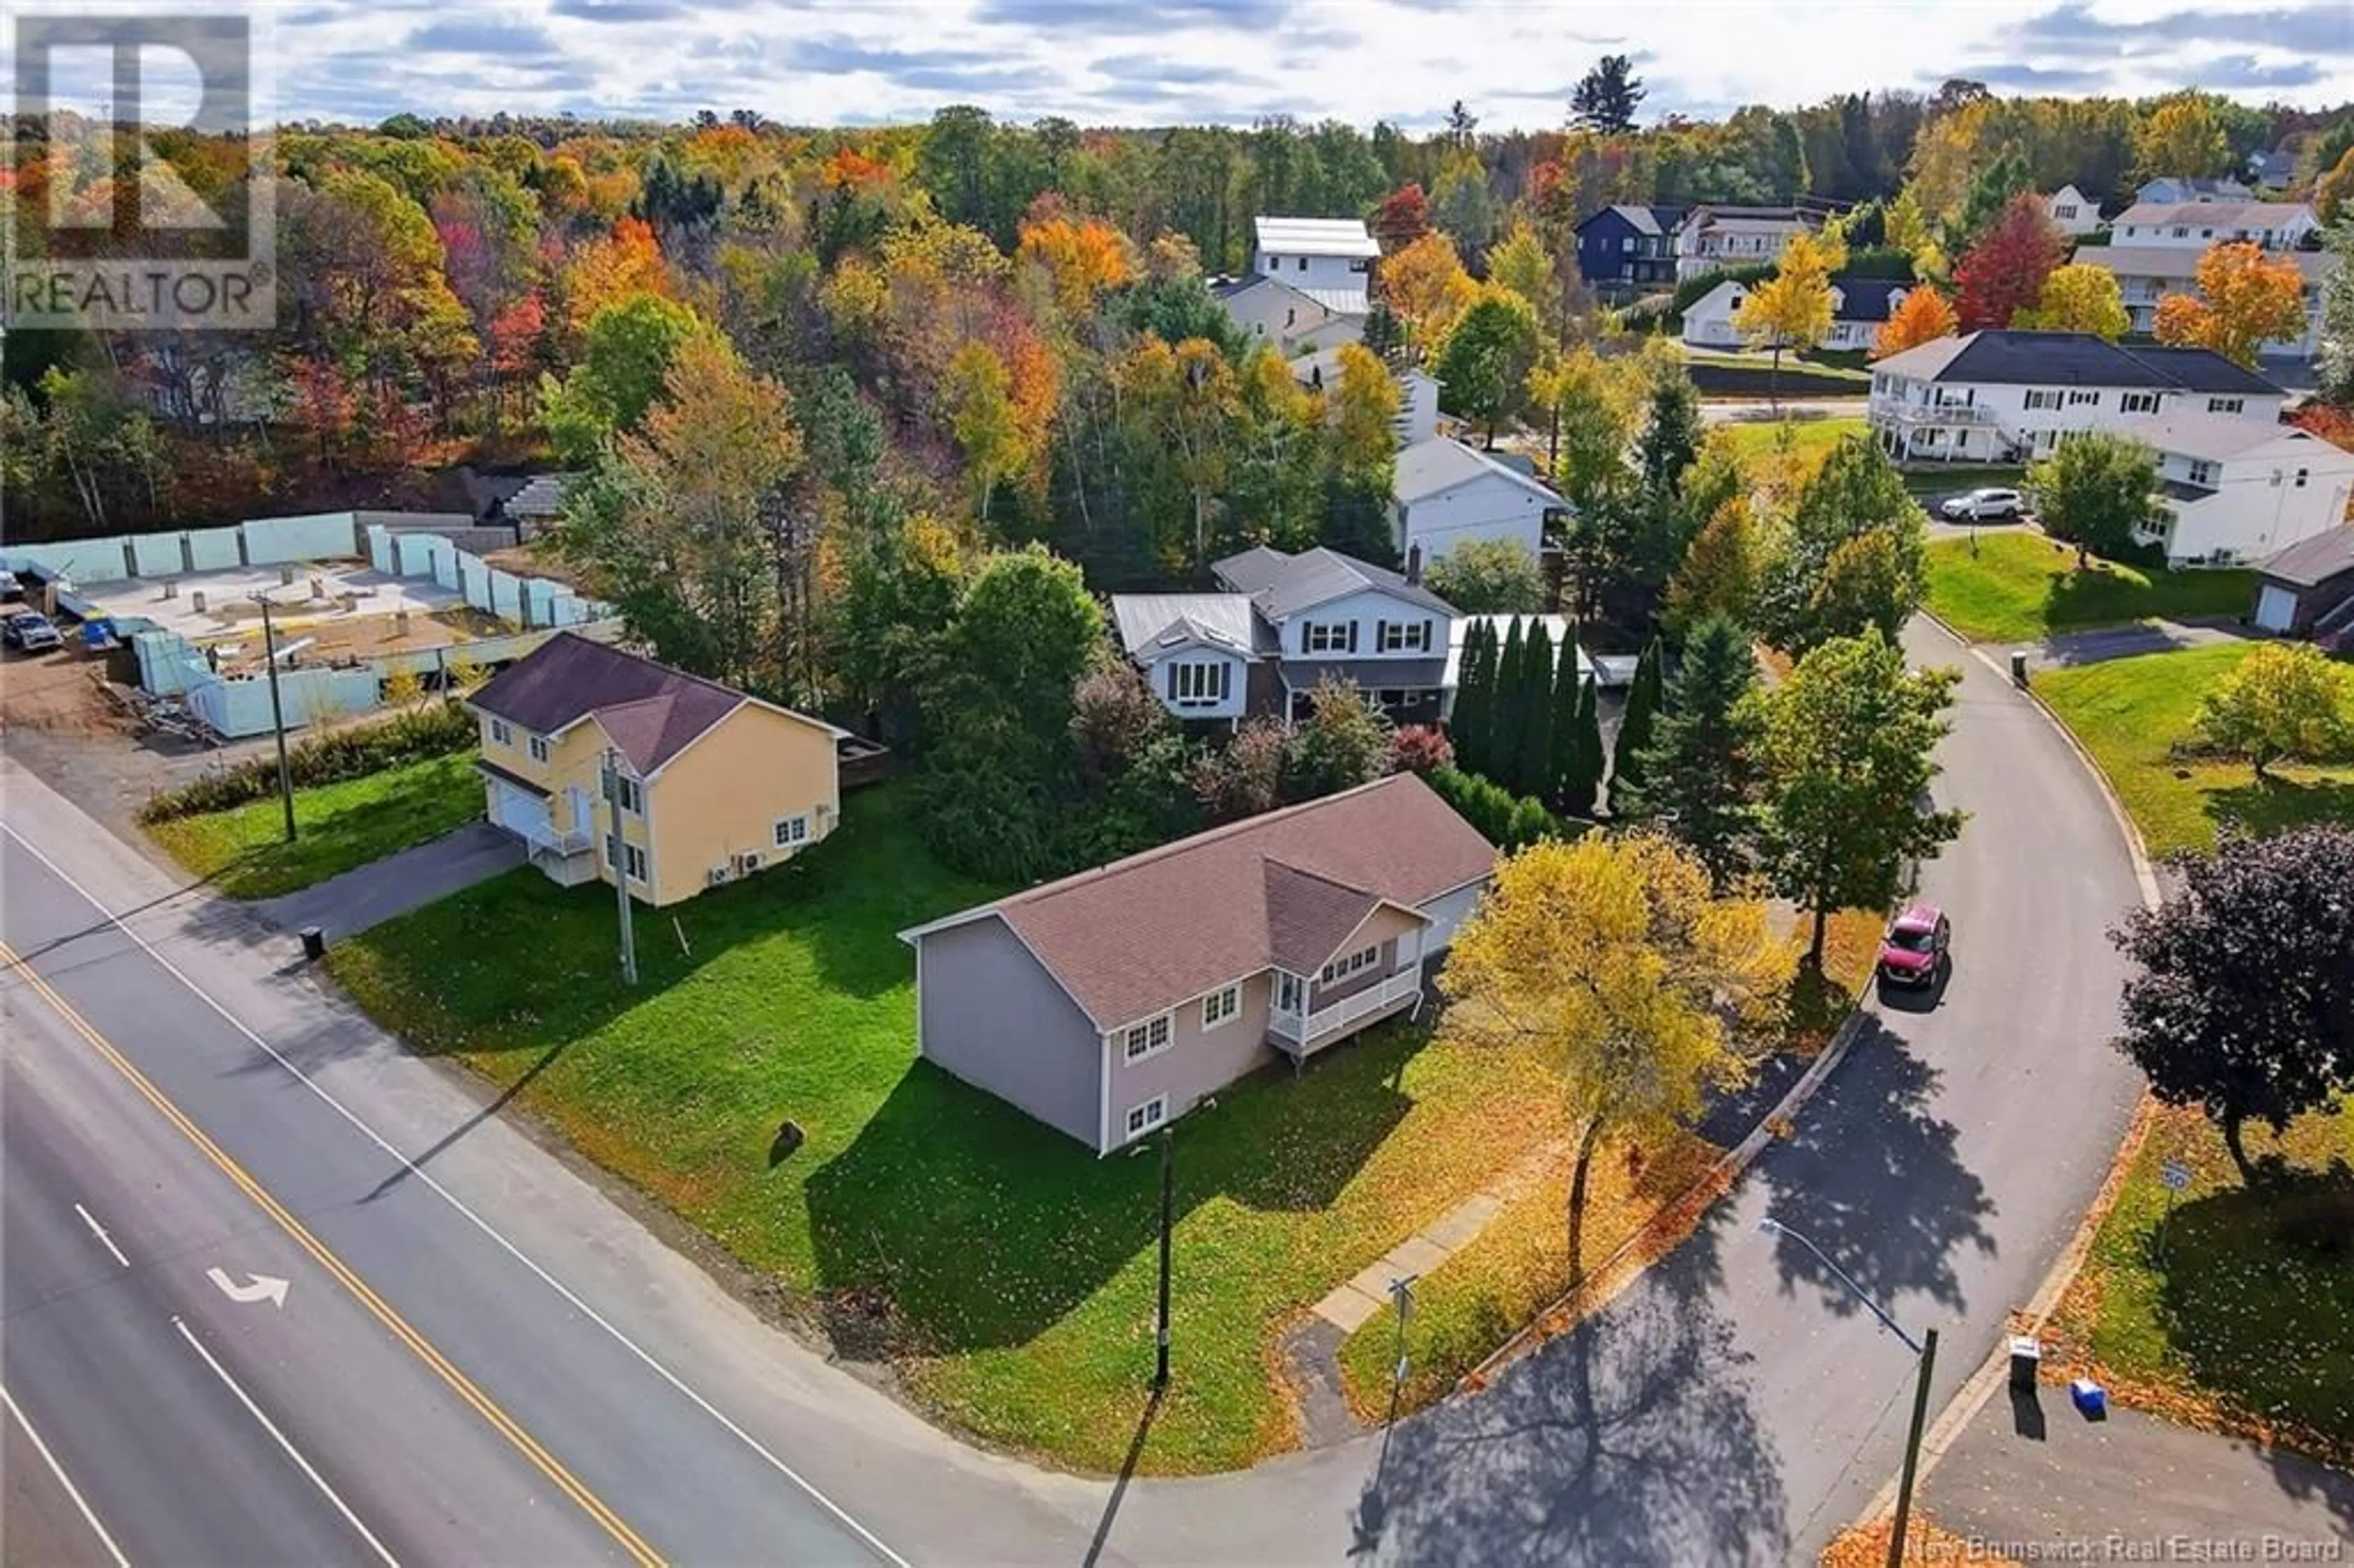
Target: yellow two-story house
(707, 783)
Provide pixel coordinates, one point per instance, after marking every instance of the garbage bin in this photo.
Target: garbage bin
(2019, 669)
(315, 944)
(2026, 1361)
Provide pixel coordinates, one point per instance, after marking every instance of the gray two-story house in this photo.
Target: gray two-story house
(1109, 1003)
(1283, 625)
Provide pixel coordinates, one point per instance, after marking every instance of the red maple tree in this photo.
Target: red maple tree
(2003, 274)
(1402, 217)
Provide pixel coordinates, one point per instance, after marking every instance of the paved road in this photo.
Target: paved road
(1733, 1406)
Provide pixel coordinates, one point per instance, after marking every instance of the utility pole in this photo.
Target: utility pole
(1913, 1448)
(277, 714)
(620, 862)
(1168, 1221)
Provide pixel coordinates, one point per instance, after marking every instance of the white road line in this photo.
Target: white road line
(293, 1453)
(103, 1239)
(89, 1515)
(872, 1541)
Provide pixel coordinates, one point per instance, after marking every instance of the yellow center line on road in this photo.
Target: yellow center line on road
(423, 1349)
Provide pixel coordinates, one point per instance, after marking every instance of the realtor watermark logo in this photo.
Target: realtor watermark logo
(139, 190)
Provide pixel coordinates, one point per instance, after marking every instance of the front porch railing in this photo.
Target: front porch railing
(1327, 1021)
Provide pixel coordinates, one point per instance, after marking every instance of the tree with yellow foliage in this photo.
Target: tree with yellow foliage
(2246, 299)
(1612, 958)
(977, 392)
(1427, 286)
(1085, 257)
(606, 271)
(1923, 315)
(1791, 310)
(2079, 297)
(1361, 403)
(1522, 264)
(2182, 136)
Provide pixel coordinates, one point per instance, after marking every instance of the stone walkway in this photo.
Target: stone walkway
(1350, 1304)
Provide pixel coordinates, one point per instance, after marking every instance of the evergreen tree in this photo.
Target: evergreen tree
(1584, 780)
(1502, 749)
(1474, 695)
(1533, 755)
(1563, 764)
(1701, 770)
(1635, 729)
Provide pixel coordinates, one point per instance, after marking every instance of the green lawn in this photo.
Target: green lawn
(2130, 713)
(2242, 1316)
(2020, 586)
(1005, 1272)
(1752, 438)
(244, 853)
(1833, 368)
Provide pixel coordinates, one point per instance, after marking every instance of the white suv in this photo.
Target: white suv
(1978, 505)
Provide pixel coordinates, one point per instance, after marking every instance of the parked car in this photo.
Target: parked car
(1914, 945)
(30, 630)
(10, 589)
(1983, 505)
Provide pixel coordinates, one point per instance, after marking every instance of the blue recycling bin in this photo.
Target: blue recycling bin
(2091, 1400)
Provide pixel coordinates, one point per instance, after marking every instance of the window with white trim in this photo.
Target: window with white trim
(1220, 1007)
(1404, 637)
(1355, 963)
(2077, 398)
(2041, 397)
(501, 733)
(1144, 1119)
(631, 793)
(2137, 403)
(2227, 404)
(539, 748)
(1328, 636)
(1200, 683)
(631, 854)
(792, 831)
(1148, 1038)
(1287, 993)
(2203, 473)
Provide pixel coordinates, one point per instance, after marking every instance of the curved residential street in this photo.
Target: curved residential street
(479, 1354)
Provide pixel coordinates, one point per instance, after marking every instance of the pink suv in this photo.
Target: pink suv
(1914, 945)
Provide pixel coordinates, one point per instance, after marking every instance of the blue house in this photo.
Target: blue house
(1630, 247)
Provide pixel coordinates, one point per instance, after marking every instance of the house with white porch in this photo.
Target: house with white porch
(1712, 238)
(1860, 307)
(1284, 624)
(2237, 490)
(2147, 273)
(2009, 397)
(2072, 212)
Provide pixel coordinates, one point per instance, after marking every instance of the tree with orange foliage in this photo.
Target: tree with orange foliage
(1923, 316)
(2003, 274)
(1084, 257)
(606, 271)
(2246, 299)
(1427, 285)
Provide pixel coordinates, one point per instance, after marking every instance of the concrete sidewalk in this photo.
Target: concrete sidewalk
(2131, 1481)
(373, 894)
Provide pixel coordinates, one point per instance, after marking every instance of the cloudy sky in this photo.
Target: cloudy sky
(1157, 61)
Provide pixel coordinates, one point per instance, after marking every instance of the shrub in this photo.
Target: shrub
(1507, 821)
(1420, 748)
(435, 730)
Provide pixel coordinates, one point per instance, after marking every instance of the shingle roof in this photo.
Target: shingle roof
(2179, 263)
(1145, 620)
(2070, 359)
(1431, 467)
(1866, 299)
(1282, 585)
(652, 710)
(2209, 436)
(1132, 938)
(2213, 214)
(1651, 219)
(2308, 563)
(1316, 236)
(543, 497)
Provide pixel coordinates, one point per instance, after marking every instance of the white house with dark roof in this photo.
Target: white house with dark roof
(2072, 212)
(2175, 189)
(2008, 397)
(1444, 492)
(1712, 238)
(1330, 259)
(2147, 273)
(1284, 624)
(1860, 307)
(2239, 490)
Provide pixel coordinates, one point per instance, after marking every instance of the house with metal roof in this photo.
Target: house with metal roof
(1444, 492)
(1296, 321)
(1285, 624)
(607, 765)
(1107, 1004)
(2007, 397)
(2237, 490)
(2175, 189)
(1330, 259)
(1712, 238)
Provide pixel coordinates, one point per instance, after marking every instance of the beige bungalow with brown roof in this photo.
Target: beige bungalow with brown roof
(1110, 1002)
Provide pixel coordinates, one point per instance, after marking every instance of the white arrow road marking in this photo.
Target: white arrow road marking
(103, 1239)
(257, 1287)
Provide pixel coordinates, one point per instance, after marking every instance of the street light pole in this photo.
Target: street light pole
(277, 714)
(1924, 1351)
(1168, 1223)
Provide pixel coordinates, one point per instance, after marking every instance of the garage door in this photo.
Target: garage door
(2275, 609)
(518, 810)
